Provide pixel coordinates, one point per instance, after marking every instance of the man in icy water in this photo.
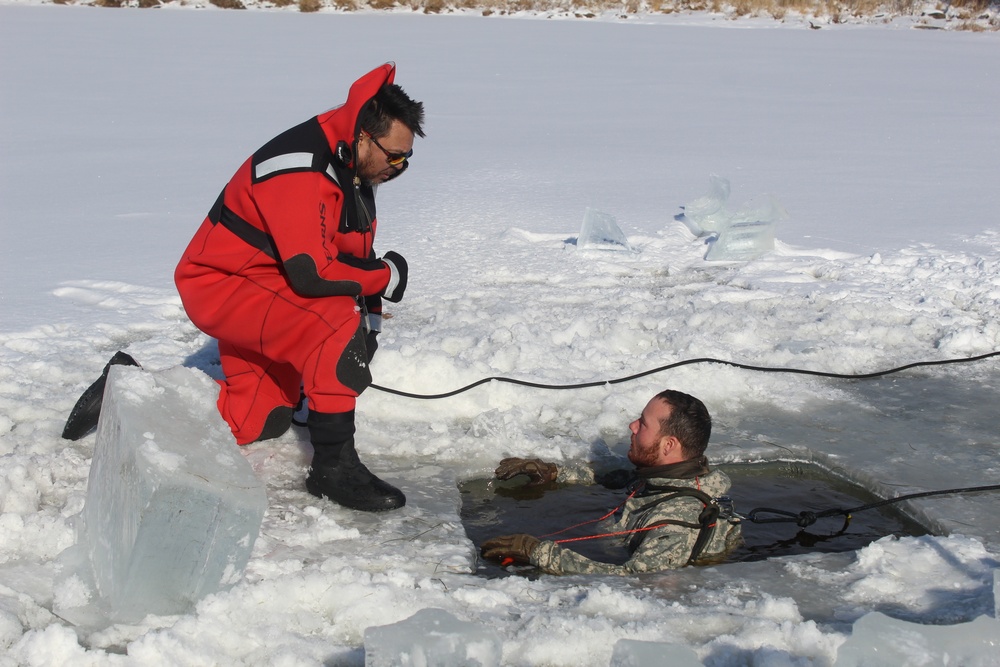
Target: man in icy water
(669, 519)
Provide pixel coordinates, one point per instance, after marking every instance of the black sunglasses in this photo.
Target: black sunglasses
(394, 159)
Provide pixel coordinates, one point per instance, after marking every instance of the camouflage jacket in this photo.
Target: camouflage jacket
(662, 548)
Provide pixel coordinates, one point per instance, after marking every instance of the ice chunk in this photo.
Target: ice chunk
(431, 637)
(600, 231)
(734, 235)
(881, 641)
(708, 214)
(742, 241)
(634, 653)
(172, 508)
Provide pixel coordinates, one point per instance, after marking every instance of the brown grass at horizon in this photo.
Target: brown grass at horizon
(972, 15)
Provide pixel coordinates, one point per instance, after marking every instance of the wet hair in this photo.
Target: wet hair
(392, 103)
(689, 422)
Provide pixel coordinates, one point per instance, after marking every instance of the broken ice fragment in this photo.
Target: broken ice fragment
(600, 231)
(432, 637)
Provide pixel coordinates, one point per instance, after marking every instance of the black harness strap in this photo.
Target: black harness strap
(706, 520)
(257, 238)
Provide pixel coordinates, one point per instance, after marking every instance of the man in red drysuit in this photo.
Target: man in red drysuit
(283, 274)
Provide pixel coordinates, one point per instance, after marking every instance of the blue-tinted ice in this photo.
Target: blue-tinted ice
(173, 508)
(600, 231)
(733, 235)
(878, 640)
(432, 637)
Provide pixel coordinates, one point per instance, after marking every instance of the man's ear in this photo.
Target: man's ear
(670, 447)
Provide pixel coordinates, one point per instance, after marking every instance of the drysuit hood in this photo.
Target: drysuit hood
(341, 122)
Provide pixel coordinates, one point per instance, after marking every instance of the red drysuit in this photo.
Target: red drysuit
(282, 270)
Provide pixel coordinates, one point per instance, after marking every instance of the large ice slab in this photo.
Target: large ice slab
(173, 508)
(432, 637)
(878, 640)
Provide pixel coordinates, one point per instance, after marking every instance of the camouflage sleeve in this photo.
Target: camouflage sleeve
(596, 472)
(665, 548)
(575, 472)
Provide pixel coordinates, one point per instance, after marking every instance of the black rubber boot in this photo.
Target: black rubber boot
(85, 414)
(338, 474)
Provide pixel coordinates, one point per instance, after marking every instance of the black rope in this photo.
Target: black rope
(805, 519)
(703, 360)
(802, 519)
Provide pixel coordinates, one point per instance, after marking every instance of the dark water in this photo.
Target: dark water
(491, 508)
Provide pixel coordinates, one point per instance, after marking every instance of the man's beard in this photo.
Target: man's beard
(372, 177)
(368, 181)
(367, 174)
(642, 458)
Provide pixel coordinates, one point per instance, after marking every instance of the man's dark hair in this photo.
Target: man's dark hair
(392, 103)
(689, 422)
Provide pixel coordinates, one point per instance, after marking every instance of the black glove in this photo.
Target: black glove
(397, 281)
(516, 548)
(539, 471)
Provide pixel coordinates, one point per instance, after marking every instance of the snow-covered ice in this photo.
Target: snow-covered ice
(119, 128)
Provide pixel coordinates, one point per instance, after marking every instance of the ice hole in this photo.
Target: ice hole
(491, 508)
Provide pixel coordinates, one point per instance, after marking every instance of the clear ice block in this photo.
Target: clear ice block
(742, 241)
(600, 231)
(738, 235)
(432, 637)
(173, 508)
(878, 640)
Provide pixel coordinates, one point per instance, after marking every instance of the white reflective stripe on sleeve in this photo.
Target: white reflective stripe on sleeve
(282, 162)
(393, 278)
